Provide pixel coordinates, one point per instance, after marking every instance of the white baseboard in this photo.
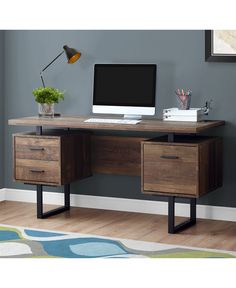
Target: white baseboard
(120, 204)
(2, 194)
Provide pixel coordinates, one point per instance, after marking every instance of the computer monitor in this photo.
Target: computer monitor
(128, 89)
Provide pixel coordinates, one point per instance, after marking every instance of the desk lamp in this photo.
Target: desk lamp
(72, 55)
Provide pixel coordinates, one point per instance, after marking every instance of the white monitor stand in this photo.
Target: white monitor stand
(132, 117)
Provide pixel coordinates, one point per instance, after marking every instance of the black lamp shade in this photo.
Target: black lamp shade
(72, 54)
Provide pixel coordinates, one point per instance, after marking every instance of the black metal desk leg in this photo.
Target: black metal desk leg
(39, 130)
(171, 216)
(171, 137)
(39, 201)
(193, 209)
(67, 195)
(41, 214)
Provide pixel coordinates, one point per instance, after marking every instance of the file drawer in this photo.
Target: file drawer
(181, 169)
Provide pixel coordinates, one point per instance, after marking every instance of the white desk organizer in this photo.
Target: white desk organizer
(191, 115)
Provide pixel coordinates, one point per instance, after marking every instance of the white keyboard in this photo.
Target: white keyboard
(112, 121)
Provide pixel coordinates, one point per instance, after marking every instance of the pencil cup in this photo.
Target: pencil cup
(184, 101)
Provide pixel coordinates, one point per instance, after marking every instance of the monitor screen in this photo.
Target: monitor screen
(125, 85)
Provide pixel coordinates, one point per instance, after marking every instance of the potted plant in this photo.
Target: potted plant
(46, 97)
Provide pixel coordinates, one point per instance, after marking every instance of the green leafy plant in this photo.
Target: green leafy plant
(48, 95)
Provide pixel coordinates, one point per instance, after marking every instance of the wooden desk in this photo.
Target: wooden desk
(174, 166)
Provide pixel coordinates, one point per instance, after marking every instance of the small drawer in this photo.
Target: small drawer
(37, 171)
(55, 158)
(170, 169)
(37, 148)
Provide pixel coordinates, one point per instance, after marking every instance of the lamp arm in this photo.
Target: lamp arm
(41, 73)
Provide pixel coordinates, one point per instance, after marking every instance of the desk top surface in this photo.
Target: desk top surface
(146, 125)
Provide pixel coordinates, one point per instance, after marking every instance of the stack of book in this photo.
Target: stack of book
(175, 114)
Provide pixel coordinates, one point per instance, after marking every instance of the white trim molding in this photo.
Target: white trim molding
(2, 194)
(120, 204)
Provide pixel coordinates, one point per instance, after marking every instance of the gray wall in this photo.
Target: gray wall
(180, 59)
(1, 108)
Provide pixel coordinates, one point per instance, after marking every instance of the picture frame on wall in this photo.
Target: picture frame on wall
(220, 45)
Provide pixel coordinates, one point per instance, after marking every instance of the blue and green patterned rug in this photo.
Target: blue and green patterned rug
(20, 242)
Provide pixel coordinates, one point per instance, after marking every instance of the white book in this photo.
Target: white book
(182, 118)
(176, 112)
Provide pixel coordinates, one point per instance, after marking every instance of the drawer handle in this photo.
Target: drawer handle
(36, 148)
(37, 170)
(169, 157)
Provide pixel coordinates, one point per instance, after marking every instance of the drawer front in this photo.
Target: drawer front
(37, 148)
(36, 171)
(170, 169)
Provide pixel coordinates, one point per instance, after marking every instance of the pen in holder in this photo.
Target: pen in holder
(183, 99)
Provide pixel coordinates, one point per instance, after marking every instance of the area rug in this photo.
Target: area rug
(21, 242)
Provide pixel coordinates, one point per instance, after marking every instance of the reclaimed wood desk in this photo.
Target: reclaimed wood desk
(182, 163)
